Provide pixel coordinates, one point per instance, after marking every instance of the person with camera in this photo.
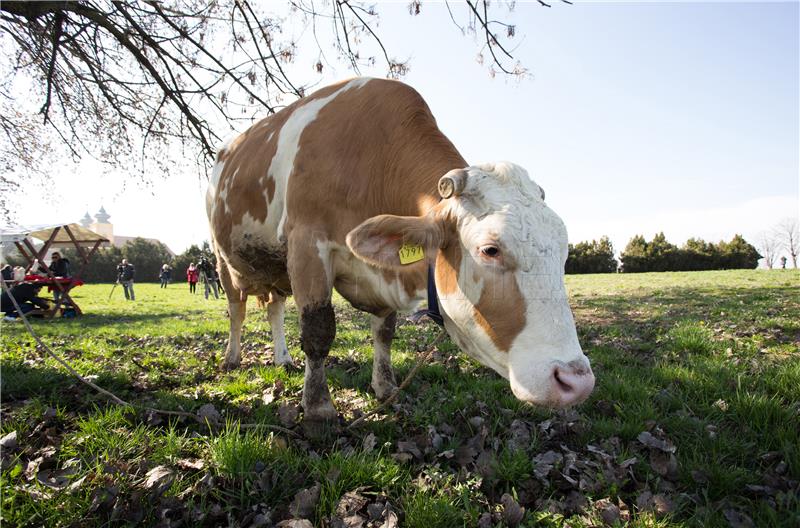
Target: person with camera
(125, 275)
(209, 276)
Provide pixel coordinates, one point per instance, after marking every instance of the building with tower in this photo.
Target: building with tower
(101, 225)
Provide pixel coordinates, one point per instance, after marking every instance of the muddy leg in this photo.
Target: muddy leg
(383, 380)
(275, 311)
(312, 285)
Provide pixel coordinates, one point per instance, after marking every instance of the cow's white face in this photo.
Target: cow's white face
(499, 257)
(500, 279)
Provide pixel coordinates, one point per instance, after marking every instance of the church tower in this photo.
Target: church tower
(102, 226)
(86, 221)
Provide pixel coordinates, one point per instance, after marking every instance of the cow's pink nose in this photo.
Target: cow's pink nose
(571, 383)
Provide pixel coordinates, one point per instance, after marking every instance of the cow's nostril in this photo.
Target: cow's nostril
(562, 385)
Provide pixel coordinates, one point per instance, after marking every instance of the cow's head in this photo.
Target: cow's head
(499, 253)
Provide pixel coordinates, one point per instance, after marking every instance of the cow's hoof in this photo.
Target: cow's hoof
(229, 365)
(384, 391)
(320, 430)
(284, 360)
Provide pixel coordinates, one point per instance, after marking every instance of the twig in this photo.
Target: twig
(423, 359)
(42, 346)
(269, 426)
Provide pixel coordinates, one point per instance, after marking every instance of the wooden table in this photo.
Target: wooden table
(62, 284)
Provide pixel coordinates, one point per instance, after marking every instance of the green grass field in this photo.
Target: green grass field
(695, 420)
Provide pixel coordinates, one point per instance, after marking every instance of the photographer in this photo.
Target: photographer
(125, 275)
(209, 277)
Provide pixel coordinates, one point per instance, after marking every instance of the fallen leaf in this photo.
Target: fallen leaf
(512, 511)
(190, 463)
(295, 523)
(354, 521)
(391, 520)
(159, 479)
(652, 442)
(465, 455)
(9, 441)
(409, 447)
(288, 413)
(520, 436)
(350, 503)
(55, 479)
(369, 443)
(609, 512)
(485, 521)
(665, 464)
(209, 412)
(662, 505)
(375, 511)
(305, 501)
(738, 519)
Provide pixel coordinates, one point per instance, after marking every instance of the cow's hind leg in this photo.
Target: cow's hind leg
(312, 284)
(275, 314)
(383, 380)
(237, 309)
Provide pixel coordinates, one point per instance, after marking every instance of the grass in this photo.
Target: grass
(706, 361)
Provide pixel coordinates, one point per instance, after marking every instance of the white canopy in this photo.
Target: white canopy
(11, 234)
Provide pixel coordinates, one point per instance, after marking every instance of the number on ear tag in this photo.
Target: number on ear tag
(410, 253)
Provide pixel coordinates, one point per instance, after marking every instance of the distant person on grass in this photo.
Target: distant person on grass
(26, 295)
(165, 275)
(209, 276)
(125, 275)
(192, 274)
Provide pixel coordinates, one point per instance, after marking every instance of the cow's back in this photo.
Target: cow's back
(325, 163)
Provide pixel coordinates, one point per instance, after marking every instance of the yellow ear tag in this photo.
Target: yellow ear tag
(410, 253)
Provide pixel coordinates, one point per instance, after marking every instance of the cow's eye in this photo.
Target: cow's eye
(490, 251)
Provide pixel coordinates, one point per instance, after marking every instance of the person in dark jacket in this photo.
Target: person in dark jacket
(209, 277)
(26, 295)
(59, 267)
(125, 275)
(165, 275)
(8, 273)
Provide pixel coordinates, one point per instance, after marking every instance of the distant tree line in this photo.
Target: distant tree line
(146, 256)
(695, 255)
(659, 254)
(591, 257)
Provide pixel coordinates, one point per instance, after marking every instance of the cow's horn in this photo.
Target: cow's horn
(452, 183)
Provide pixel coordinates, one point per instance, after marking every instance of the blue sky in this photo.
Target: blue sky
(637, 117)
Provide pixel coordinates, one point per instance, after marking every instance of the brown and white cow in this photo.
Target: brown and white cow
(324, 194)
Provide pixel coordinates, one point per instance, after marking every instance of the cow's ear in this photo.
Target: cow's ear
(389, 241)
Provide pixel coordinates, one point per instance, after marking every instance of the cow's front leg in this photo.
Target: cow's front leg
(312, 284)
(383, 380)
(275, 314)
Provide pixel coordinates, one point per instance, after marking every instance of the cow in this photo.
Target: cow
(355, 188)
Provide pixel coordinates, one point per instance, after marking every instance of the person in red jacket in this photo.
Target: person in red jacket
(192, 275)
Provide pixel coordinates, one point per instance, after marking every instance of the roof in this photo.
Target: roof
(11, 234)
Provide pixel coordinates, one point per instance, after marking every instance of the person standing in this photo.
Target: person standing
(192, 274)
(165, 275)
(125, 275)
(209, 277)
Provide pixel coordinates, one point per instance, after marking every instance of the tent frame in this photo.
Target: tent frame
(29, 252)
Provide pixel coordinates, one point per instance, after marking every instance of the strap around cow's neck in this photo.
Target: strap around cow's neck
(432, 311)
